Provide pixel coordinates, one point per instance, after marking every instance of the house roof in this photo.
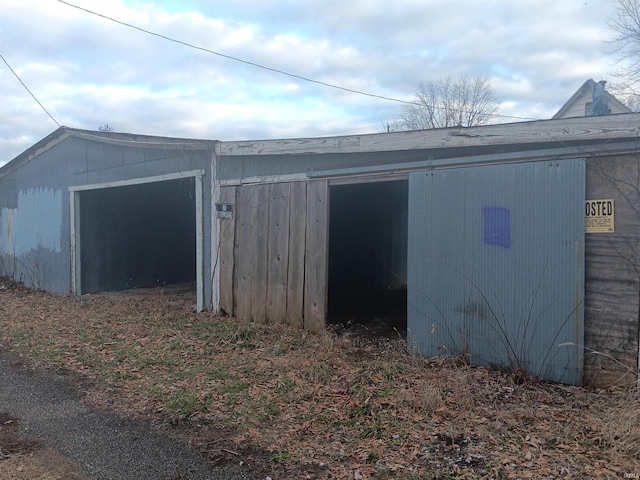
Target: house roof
(583, 95)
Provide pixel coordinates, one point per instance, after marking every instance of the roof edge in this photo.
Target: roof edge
(115, 138)
(37, 148)
(593, 128)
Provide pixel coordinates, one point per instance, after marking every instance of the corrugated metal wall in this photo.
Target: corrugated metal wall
(35, 243)
(138, 235)
(496, 266)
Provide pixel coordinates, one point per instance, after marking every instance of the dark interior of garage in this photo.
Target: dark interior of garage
(368, 257)
(138, 236)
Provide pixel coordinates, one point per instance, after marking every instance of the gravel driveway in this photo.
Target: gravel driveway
(104, 445)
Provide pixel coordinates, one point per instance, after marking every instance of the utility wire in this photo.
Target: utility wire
(257, 65)
(30, 92)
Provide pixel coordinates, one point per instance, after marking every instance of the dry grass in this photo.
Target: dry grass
(293, 404)
(26, 459)
(40, 465)
(621, 424)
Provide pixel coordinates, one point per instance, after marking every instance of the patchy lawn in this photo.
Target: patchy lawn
(288, 404)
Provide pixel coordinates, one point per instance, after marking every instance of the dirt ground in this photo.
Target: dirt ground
(27, 459)
(284, 403)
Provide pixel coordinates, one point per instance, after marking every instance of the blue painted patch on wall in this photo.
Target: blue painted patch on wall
(497, 226)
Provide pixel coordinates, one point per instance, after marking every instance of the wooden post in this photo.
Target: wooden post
(315, 282)
(297, 250)
(225, 255)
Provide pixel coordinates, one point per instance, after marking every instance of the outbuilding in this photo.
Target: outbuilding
(515, 245)
(90, 211)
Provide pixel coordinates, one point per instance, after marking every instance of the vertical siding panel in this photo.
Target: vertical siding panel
(315, 283)
(278, 252)
(297, 248)
(496, 265)
(260, 239)
(612, 278)
(435, 252)
(227, 238)
(533, 287)
(244, 248)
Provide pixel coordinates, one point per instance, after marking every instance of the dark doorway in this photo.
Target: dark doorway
(138, 235)
(368, 257)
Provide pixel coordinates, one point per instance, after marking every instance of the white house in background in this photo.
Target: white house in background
(581, 103)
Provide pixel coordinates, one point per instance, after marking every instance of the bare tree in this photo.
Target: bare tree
(625, 26)
(105, 128)
(466, 102)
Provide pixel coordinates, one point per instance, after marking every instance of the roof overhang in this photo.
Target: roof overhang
(543, 133)
(114, 138)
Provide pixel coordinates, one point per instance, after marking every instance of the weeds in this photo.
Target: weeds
(306, 400)
(285, 386)
(620, 424)
(281, 457)
(319, 372)
(186, 404)
(233, 386)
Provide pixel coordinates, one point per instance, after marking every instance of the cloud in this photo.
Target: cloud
(87, 70)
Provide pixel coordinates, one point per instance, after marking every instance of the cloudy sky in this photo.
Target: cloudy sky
(88, 71)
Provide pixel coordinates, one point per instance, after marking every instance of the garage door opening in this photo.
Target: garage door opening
(138, 235)
(368, 257)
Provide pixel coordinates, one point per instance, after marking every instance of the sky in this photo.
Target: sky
(87, 71)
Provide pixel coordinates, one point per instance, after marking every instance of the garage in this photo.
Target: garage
(137, 236)
(140, 233)
(368, 255)
(476, 241)
(473, 241)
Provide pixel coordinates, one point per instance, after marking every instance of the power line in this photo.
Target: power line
(263, 67)
(30, 92)
(257, 65)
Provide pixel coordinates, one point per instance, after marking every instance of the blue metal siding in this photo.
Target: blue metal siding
(34, 202)
(496, 265)
(35, 222)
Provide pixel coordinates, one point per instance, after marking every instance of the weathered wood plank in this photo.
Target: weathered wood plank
(297, 249)
(226, 251)
(604, 127)
(612, 275)
(259, 206)
(278, 252)
(243, 253)
(315, 279)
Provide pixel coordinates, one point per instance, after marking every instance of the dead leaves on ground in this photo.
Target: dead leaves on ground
(321, 405)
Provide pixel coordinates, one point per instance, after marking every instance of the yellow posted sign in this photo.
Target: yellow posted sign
(599, 216)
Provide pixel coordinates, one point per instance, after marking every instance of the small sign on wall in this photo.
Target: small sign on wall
(599, 216)
(225, 211)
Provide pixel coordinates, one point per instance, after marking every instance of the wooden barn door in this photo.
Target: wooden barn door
(496, 266)
(273, 253)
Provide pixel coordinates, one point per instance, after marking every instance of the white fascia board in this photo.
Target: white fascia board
(138, 181)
